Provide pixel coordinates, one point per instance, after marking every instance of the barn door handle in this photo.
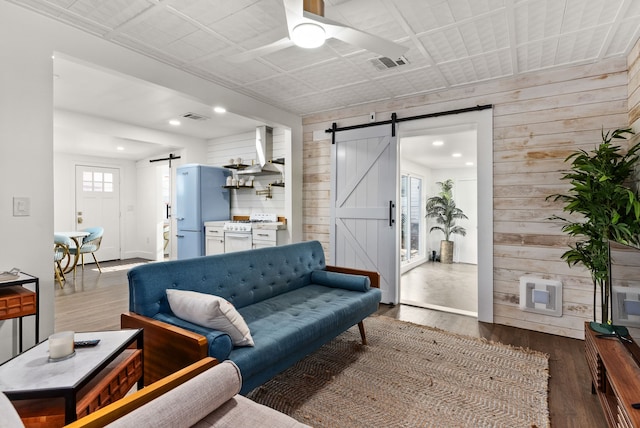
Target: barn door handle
(391, 207)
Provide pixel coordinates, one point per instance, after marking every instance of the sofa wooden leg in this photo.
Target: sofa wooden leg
(362, 335)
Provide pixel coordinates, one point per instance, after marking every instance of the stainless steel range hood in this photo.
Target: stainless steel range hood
(264, 154)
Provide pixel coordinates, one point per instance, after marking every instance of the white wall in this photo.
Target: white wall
(26, 164)
(147, 208)
(465, 191)
(27, 42)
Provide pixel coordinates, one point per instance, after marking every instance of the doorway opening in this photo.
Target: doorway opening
(430, 156)
(166, 192)
(378, 204)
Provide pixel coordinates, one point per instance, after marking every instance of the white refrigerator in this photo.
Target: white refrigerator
(200, 197)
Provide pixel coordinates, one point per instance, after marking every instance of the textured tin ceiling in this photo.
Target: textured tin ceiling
(451, 43)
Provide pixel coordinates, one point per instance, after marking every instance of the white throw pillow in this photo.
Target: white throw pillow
(210, 311)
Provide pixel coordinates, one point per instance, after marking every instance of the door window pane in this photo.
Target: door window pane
(411, 218)
(94, 181)
(404, 216)
(416, 218)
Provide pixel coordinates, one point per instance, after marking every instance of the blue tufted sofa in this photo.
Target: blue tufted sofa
(291, 300)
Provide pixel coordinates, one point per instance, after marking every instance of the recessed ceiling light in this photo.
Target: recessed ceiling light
(120, 148)
(220, 109)
(457, 155)
(469, 164)
(438, 143)
(174, 122)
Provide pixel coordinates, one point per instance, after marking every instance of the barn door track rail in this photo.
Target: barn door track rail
(394, 120)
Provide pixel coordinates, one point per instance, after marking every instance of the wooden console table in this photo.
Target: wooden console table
(615, 377)
(16, 301)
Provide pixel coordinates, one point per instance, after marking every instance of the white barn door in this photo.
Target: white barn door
(363, 204)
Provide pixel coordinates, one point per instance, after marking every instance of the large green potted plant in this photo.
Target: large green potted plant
(443, 209)
(606, 208)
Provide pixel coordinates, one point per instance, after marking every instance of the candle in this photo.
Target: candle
(61, 344)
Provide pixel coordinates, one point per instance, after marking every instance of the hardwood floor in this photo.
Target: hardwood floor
(95, 301)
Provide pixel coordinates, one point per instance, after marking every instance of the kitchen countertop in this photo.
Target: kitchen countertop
(270, 226)
(219, 223)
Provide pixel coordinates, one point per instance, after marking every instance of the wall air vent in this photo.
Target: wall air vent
(384, 63)
(625, 303)
(543, 296)
(194, 116)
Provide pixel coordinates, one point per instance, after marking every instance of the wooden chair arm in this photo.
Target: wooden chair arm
(167, 348)
(374, 277)
(121, 407)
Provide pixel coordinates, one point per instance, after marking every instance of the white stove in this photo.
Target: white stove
(238, 235)
(238, 226)
(256, 221)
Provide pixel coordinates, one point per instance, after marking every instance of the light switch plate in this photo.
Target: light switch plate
(21, 207)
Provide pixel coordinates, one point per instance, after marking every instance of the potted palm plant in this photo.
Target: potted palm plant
(607, 209)
(443, 209)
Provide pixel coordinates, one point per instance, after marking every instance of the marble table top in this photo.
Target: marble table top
(32, 370)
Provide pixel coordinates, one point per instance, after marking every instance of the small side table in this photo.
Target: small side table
(91, 379)
(16, 301)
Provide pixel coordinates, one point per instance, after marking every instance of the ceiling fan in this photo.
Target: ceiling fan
(309, 28)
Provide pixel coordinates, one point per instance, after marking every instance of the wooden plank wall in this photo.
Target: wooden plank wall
(633, 62)
(538, 120)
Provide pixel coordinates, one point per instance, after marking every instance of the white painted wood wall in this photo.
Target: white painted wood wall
(539, 119)
(245, 201)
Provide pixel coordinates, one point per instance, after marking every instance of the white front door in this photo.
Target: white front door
(98, 204)
(363, 204)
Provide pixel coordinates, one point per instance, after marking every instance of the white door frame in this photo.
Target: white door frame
(483, 119)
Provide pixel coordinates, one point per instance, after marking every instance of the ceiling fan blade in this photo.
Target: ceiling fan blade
(293, 11)
(359, 38)
(261, 51)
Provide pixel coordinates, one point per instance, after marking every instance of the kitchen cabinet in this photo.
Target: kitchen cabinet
(214, 238)
(268, 237)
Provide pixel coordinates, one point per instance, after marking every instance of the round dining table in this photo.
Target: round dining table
(76, 237)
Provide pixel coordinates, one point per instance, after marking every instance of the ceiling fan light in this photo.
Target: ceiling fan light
(308, 35)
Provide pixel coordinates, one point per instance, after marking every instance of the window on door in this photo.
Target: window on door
(93, 181)
(411, 217)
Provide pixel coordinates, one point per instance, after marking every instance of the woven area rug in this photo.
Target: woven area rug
(412, 376)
